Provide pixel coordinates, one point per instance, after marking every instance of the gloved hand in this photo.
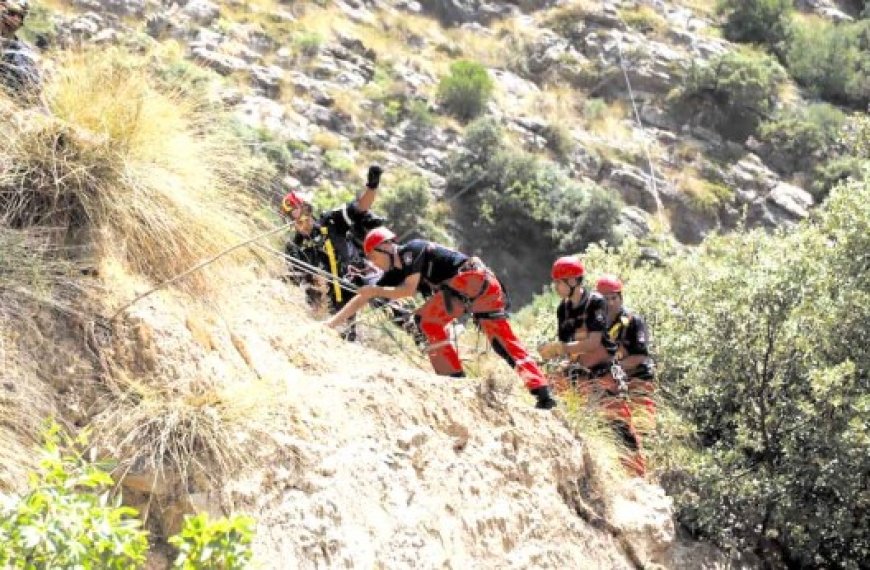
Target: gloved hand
(545, 398)
(374, 176)
(551, 350)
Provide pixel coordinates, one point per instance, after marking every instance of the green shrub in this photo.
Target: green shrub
(39, 27)
(308, 43)
(560, 141)
(224, 544)
(518, 210)
(734, 92)
(644, 18)
(758, 341)
(419, 113)
(799, 139)
(829, 174)
(466, 90)
(762, 21)
(408, 207)
(833, 61)
(338, 161)
(67, 518)
(594, 109)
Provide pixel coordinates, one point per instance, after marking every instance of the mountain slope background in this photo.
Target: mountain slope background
(172, 130)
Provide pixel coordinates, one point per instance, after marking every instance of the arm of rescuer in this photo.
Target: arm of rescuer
(373, 180)
(407, 289)
(596, 323)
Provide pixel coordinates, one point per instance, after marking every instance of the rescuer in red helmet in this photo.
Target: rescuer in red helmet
(453, 285)
(629, 331)
(585, 342)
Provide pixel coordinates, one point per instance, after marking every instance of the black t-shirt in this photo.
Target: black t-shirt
(345, 227)
(435, 264)
(590, 312)
(631, 332)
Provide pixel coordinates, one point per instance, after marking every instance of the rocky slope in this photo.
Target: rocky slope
(347, 458)
(311, 76)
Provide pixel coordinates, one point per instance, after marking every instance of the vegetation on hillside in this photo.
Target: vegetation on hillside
(511, 206)
(71, 518)
(759, 344)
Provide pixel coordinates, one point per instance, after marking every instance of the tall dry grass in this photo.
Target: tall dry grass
(188, 430)
(156, 177)
(29, 271)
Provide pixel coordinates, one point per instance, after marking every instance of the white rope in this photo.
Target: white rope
(652, 174)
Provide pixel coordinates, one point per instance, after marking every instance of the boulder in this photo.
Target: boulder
(266, 80)
(203, 12)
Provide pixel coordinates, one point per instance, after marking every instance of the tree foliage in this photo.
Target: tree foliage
(518, 211)
(224, 544)
(411, 212)
(734, 92)
(68, 519)
(798, 139)
(466, 90)
(832, 61)
(761, 346)
(761, 21)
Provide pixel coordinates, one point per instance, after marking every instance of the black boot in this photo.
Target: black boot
(545, 398)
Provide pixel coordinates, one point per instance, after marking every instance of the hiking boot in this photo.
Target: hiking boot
(545, 398)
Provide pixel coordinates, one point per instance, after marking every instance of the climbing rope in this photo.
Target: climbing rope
(652, 184)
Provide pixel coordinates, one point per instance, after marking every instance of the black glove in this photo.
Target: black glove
(374, 177)
(545, 398)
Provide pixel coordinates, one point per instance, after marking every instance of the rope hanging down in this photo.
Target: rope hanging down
(652, 174)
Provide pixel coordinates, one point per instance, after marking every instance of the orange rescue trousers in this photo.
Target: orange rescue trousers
(604, 391)
(477, 292)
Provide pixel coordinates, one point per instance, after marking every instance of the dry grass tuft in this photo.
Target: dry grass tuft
(29, 270)
(152, 173)
(193, 430)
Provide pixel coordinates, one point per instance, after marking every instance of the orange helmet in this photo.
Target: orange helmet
(376, 237)
(608, 284)
(567, 267)
(292, 201)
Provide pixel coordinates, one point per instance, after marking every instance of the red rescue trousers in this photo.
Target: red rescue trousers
(477, 292)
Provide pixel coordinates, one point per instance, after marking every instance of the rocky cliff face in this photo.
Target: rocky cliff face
(305, 73)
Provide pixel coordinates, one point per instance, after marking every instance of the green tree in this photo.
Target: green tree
(734, 92)
(798, 139)
(833, 61)
(408, 207)
(466, 90)
(68, 520)
(518, 211)
(760, 344)
(762, 21)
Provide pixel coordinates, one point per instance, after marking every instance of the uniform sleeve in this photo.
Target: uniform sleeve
(596, 315)
(637, 336)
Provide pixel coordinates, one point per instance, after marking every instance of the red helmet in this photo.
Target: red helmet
(376, 237)
(291, 201)
(568, 267)
(608, 284)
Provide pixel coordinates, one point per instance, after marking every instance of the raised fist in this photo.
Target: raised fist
(374, 176)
